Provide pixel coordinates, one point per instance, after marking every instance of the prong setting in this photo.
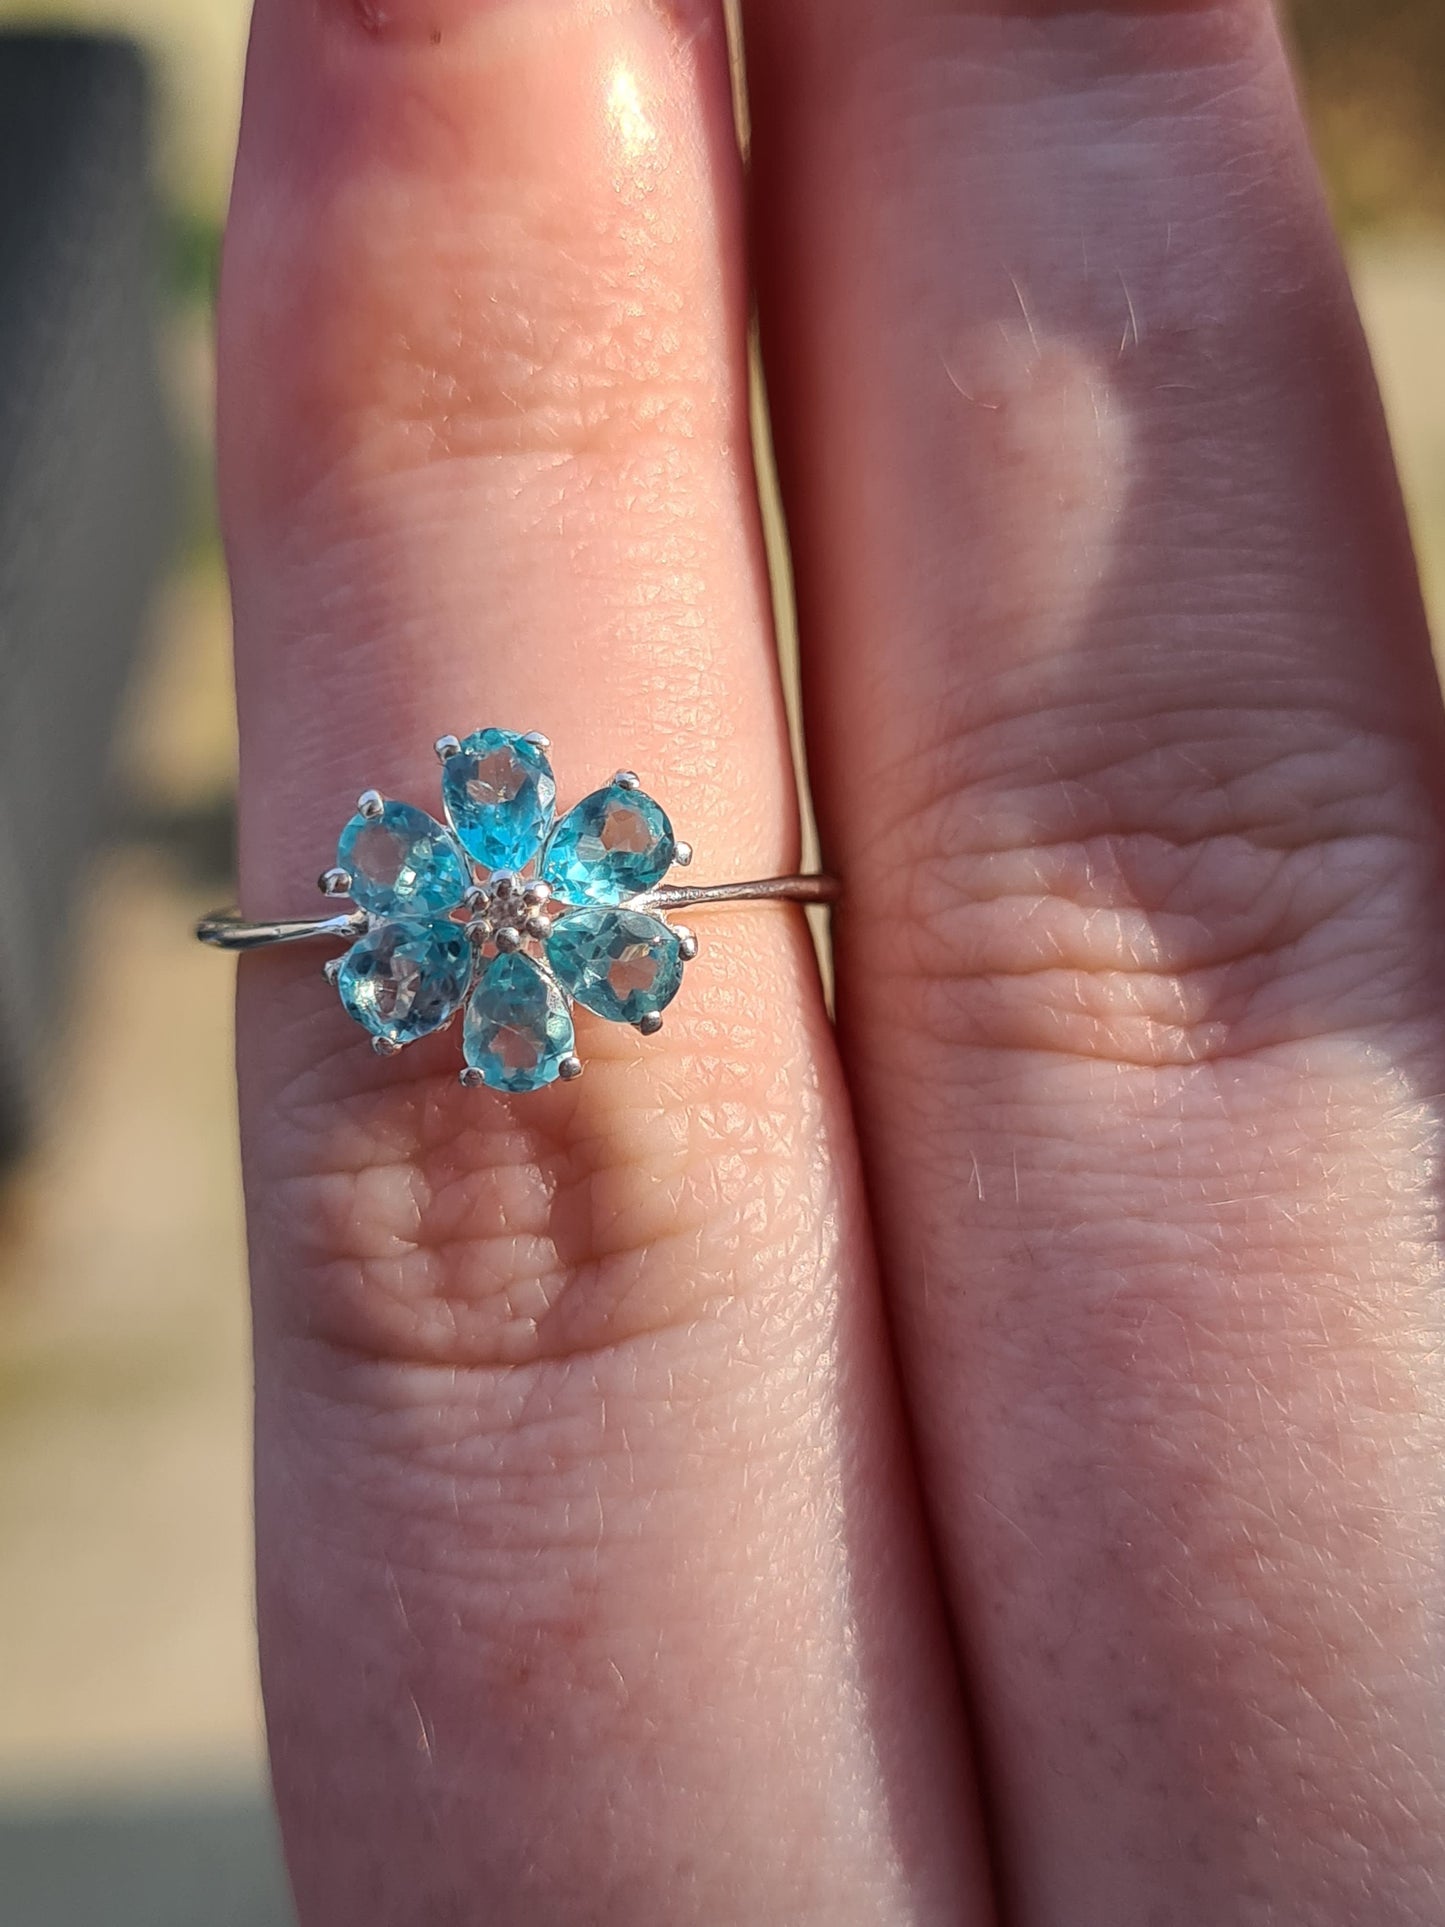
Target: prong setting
(649, 1025)
(334, 882)
(538, 740)
(469, 1077)
(385, 1046)
(569, 1068)
(446, 747)
(682, 854)
(509, 911)
(331, 970)
(686, 942)
(627, 779)
(370, 804)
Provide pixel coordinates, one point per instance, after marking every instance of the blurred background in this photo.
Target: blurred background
(131, 1778)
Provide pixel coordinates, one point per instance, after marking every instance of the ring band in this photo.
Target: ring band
(228, 929)
(508, 912)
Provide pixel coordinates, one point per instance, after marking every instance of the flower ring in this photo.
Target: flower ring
(507, 912)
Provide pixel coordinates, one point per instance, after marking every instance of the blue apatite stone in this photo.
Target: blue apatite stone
(613, 845)
(517, 1028)
(621, 963)
(403, 863)
(405, 977)
(500, 797)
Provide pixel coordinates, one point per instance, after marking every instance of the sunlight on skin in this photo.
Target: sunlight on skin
(1037, 402)
(636, 134)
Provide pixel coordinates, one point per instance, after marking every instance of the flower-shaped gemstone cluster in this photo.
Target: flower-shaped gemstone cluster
(507, 912)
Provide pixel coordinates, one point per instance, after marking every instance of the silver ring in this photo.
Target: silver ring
(506, 913)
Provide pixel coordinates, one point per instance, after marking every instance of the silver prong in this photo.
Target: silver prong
(682, 854)
(331, 970)
(371, 803)
(504, 884)
(538, 927)
(508, 939)
(469, 1076)
(446, 746)
(474, 899)
(569, 1068)
(334, 883)
(537, 739)
(651, 1024)
(627, 779)
(537, 892)
(385, 1046)
(686, 942)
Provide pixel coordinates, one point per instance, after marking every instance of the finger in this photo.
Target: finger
(1125, 731)
(584, 1533)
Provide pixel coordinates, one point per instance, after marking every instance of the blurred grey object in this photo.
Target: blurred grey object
(165, 1861)
(87, 495)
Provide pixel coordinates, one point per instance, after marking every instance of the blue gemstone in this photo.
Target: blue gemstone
(402, 863)
(613, 845)
(517, 1028)
(500, 797)
(621, 963)
(405, 978)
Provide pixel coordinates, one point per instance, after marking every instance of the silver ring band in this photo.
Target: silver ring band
(229, 930)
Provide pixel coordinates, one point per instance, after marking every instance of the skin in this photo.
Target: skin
(984, 1463)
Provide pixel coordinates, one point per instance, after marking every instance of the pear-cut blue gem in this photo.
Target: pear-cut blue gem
(612, 845)
(402, 863)
(518, 1028)
(406, 977)
(623, 964)
(500, 796)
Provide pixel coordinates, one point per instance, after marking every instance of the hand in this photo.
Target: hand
(606, 1575)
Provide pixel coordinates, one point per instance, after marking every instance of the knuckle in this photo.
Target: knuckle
(1199, 886)
(532, 347)
(403, 1219)
(561, 365)
(418, 308)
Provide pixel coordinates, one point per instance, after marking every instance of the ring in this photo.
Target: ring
(508, 912)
